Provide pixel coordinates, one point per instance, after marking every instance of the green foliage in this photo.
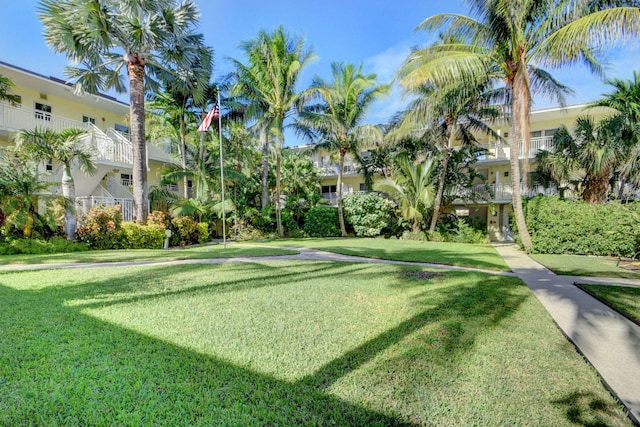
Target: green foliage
(187, 231)
(457, 229)
(574, 227)
(368, 213)
(102, 228)
(143, 236)
(322, 222)
(38, 247)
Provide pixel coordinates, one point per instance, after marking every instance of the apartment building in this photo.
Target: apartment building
(49, 102)
(495, 209)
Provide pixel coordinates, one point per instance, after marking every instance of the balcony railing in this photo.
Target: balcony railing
(504, 192)
(331, 169)
(496, 150)
(14, 119)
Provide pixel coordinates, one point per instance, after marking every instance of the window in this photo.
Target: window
(536, 134)
(363, 186)
(122, 128)
(329, 188)
(550, 132)
(48, 165)
(87, 119)
(126, 179)
(43, 111)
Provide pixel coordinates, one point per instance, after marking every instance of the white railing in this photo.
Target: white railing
(497, 150)
(83, 204)
(14, 119)
(332, 197)
(117, 190)
(122, 147)
(504, 192)
(331, 169)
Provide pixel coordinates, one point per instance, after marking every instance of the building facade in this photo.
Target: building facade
(50, 103)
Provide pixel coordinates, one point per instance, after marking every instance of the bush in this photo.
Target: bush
(322, 222)
(457, 229)
(575, 227)
(102, 228)
(36, 246)
(139, 236)
(367, 213)
(186, 231)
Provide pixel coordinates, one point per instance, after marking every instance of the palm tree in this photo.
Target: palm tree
(625, 100)
(268, 83)
(410, 184)
(154, 36)
(509, 41)
(340, 115)
(6, 85)
(65, 147)
(456, 113)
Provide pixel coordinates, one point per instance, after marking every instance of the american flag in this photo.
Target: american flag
(214, 113)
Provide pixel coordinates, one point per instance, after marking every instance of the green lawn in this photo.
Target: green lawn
(286, 343)
(580, 265)
(624, 299)
(199, 252)
(458, 254)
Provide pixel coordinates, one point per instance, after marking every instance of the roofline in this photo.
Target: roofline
(59, 81)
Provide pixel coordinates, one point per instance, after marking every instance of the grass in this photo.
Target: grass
(286, 343)
(199, 252)
(458, 254)
(624, 299)
(580, 265)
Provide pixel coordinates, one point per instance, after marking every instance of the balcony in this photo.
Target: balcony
(331, 169)
(499, 151)
(503, 193)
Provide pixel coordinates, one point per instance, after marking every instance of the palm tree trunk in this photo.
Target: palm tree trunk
(343, 230)
(264, 140)
(278, 212)
(519, 132)
(441, 181)
(183, 152)
(69, 193)
(136, 112)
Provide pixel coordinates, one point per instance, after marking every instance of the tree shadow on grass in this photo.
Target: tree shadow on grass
(61, 367)
(587, 409)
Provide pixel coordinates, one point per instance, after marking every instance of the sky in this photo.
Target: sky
(376, 33)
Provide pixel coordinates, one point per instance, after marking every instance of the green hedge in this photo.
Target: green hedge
(575, 227)
(322, 222)
(367, 213)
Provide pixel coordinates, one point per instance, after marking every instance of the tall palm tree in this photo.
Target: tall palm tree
(67, 148)
(339, 117)
(410, 184)
(154, 36)
(268, 81)
(509, 41)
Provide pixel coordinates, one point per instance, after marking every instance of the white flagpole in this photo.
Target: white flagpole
(224, 225)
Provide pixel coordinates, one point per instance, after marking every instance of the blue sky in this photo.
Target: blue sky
(376, 33)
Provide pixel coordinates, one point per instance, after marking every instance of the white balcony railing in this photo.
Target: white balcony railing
(504, 192)
(331, 169)
(83, 204)
(496, 150)
(14, 119)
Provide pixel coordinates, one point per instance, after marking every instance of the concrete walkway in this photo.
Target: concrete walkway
(608, 340)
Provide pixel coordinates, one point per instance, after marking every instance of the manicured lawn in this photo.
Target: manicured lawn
(579, 265)
(458, 254)
(200, 252)
(286, 343)
(624, 299)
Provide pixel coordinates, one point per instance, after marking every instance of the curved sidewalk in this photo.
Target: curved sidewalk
(608, 340)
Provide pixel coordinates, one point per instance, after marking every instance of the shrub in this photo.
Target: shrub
(140, 236)
(457, 229)
(102, 228)
(186, 231)
(202, 232)
(367, 213)
(575, 227)
(322, 222)
(37, 246)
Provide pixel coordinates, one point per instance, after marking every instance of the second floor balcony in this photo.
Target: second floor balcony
(501, 151)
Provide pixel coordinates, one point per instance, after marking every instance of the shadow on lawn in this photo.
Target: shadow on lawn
(62, 367)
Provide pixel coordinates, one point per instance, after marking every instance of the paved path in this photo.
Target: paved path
(608, 340)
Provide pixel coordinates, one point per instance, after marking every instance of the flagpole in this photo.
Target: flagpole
(224, 225)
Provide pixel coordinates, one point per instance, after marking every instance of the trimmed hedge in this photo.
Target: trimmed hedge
(575, 227)
(322, 222)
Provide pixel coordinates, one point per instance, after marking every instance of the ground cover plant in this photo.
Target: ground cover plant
(198, 252)
(287, 343)
(580, 265)
(448, 253)
(624, 299)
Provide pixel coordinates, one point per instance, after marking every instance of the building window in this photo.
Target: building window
(329, 188)
(87, 119)
(43, 111)
(126, 179)
(550, 132)
(363, 186)
(536, 134)
(122, 128)
(48, 165)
